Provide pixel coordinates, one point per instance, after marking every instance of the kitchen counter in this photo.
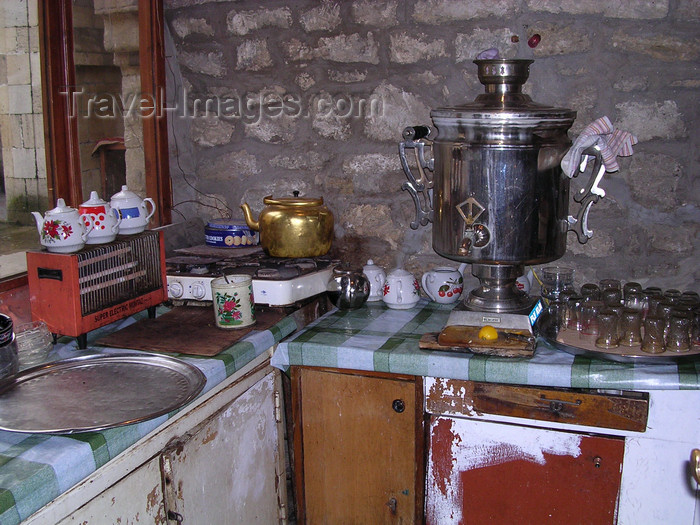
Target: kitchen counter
(377, 338)
(37, 468)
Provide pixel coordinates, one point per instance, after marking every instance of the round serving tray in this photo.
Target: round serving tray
(95, 392)
(571, 342)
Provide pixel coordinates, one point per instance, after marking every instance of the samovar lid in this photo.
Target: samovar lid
(503, 99)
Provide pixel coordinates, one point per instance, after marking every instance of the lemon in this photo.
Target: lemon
(488, 333)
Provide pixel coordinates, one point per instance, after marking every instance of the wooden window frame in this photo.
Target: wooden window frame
(61, 131)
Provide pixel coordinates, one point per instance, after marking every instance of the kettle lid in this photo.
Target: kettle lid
(94, 200)
(503, 99)
(61, 207)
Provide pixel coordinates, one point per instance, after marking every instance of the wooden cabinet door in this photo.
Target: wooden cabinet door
(358, 458)
(482, 472)
(138, 498)
(231, 468)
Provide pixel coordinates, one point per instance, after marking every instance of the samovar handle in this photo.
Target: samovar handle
(589, 194)
(420, 188)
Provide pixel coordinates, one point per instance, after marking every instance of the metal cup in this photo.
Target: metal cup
(234, 306)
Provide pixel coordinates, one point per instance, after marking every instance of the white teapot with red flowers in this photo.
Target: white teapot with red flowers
(63, 229)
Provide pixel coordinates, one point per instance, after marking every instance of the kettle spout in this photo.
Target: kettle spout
(248, 215)
(39, 220)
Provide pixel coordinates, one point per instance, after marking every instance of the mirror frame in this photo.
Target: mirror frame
(61, 132)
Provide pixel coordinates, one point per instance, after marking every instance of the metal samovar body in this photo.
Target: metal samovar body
(499, 197)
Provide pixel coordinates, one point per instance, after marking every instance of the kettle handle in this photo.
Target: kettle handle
(153, 208)
(588, 195)
(88, 219)
(420, 189)
(428, 276)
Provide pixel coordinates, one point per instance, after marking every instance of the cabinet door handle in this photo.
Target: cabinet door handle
(398, 405)
(695, 463)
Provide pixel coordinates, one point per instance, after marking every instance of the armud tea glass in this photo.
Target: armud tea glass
(572, 306)
(588, 317)
(653, 340)
(630, 327)
(635, 300)
(629, 287)
(608, 330)
(678, 337)
(590, 291)
(555, 280)
(611, 297)
(606, 284)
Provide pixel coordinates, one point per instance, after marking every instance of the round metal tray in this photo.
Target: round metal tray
(572, 344)
(95, 392)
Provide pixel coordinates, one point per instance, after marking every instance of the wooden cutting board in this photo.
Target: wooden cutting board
(185, 330)
(462, 338)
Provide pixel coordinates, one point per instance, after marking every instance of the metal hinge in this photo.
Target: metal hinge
(278, 407)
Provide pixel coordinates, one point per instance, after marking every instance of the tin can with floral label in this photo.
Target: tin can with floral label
(232, 296)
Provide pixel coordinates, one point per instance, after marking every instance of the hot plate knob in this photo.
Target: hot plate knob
(175, 289)
(198, 290)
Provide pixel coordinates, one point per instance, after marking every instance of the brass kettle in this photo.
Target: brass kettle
(293, 226)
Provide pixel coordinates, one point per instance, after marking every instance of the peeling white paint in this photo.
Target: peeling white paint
(480, 444)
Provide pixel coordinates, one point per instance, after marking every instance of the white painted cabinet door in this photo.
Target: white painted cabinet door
(137, 499)
(231, 469)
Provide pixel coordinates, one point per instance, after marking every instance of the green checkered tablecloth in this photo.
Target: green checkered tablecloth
(36, 468)
(378, 338)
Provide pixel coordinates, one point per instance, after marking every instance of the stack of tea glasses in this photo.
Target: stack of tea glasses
(612, 314)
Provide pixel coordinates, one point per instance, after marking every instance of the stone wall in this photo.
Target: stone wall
(21, 118)
(313, 96)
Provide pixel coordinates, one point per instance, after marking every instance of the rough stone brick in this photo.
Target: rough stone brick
(645, 9)
(399, 110)
(253, 55)
(295, 50)
(469, 45)
(628, 85)
(305, 81)
(307, 161)
(687, 10)
(664, 46)
(239, 164)
(560, 39)
(601, 245)
(651, 120)
(375, 13)
(208, 63)
(185, 27)
(347, 77)
(322, 18)
(683, 241)
(325, 121)
(653, 180)
(374, 172)
(372, 220)
(211, 131)
(349, 48)
(279, 130)
(243, 22)
(444, 11)
(18, 70)
(409, 49)
(19, 99)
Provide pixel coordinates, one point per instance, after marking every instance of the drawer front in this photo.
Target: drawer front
(618, 410)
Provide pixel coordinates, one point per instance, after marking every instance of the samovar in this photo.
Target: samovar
(488, 177)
